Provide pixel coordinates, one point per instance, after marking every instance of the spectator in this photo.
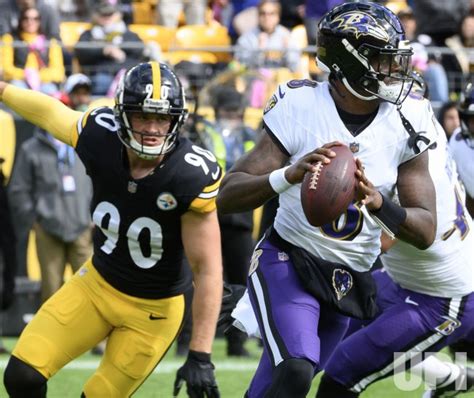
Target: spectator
(431, 70)
(37, 61)
(268, 45)
(448, 117)
(49, 187)
(168, 12)
(462, 60)
(229, 138)
(10, 16)
(108, 48)
(77, 90)
(292, 13)
(244, 17)
(222, 11)
(439, 18)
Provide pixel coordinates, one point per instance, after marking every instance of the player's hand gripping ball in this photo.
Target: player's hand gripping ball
(326, 193)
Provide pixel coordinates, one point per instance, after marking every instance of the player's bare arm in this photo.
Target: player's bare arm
(417, 195)
(201, 240)
(246, 186)
(42, 110)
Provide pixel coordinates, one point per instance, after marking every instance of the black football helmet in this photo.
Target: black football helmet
(466, 112)
(363, 44)
(150, 87)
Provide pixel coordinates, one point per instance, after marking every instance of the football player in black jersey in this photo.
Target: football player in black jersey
(154, 201)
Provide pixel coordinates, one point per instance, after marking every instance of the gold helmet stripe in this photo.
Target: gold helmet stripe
(156, 76)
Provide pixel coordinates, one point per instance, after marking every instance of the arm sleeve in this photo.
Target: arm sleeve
(44, 111)
(89, 54)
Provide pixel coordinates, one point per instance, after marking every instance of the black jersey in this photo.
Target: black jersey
(137, 243)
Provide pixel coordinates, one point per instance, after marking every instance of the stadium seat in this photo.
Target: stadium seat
(7, 148)
(161, 35)
(70, 31)
(143, 12)
(212, 35)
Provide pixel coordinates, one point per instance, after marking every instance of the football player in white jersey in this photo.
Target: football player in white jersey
(428, 294)
(425, 300)
(304, 281)
(461, 145)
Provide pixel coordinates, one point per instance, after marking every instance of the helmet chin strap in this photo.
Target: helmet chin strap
(355, 93)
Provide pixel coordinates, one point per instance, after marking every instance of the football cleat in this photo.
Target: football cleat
(465, 380)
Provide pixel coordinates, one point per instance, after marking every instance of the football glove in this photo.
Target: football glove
(230, 297)
(198, 373)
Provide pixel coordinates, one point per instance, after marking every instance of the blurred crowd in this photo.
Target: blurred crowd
(45, 41)
(229, 53)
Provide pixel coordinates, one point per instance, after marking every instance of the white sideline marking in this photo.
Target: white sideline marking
(167, 367)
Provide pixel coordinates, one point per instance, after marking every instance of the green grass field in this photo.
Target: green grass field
(233, 377)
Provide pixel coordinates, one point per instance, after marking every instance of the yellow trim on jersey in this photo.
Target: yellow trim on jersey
(214, 186)
(206, 200)
(44, 111)
(203, 205)
(156, 76)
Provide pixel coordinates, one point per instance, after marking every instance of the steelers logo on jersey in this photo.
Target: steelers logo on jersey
(166, 201)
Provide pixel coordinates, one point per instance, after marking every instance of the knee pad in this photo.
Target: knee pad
(329, 388)
(291, 379)
(22, 380)
(98, 386)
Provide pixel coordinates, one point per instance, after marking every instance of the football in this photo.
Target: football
(326, 193)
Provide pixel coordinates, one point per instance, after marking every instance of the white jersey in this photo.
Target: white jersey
(302, 116)
(462, 150)
(446, 268)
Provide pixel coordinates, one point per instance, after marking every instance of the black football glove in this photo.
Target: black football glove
(198, 373)
(230, 297)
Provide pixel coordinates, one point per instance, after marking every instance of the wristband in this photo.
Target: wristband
(390, 215)
(199, 356)
(278, 181)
